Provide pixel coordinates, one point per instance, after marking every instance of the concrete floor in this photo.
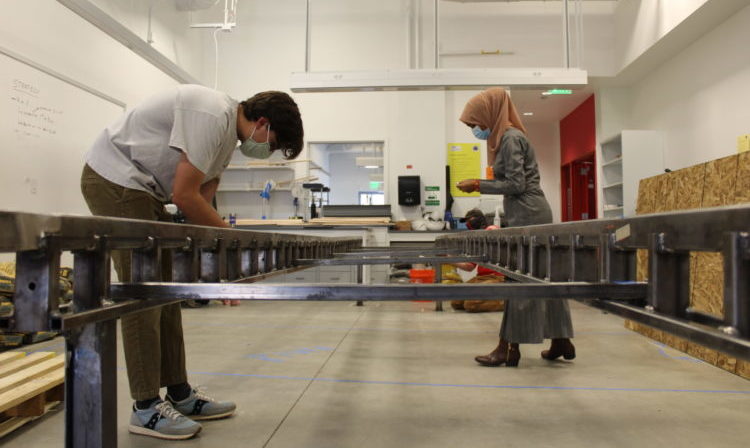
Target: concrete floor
(401, 375)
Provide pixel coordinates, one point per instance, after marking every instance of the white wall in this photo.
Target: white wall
(531, 30)
(54, 36)
(639, 24)
(700, 97)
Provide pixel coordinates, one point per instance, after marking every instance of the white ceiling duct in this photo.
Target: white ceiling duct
(194, 5)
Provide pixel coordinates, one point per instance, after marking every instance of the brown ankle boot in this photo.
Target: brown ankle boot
(560, 347)
(505, 353)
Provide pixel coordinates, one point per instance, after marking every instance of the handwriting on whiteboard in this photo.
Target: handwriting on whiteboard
(35, 118)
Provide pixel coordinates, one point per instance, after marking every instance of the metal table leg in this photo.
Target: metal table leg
(439, 280)
(91, 368)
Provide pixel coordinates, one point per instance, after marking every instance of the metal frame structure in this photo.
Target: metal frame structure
(594, 261)
(604, 252)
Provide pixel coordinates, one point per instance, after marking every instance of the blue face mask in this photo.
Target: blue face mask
(256, 150)
(481, 134)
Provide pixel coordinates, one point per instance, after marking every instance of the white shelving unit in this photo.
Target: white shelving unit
(626, 158)
(241, 184)
(244, 179)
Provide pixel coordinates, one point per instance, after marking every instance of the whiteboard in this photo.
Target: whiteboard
(47, 124)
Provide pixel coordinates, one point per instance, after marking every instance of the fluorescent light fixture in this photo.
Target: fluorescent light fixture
(438, 79)
(369, 162)
(528, 114)
(372, 167)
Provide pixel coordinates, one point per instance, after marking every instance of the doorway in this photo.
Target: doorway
(354, 171)
(578, 179)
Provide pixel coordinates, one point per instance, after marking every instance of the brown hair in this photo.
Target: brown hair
(283, 114)
(475, 219)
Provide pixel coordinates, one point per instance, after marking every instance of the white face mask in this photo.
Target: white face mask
(256, 150)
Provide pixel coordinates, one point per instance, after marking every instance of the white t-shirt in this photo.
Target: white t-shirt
(142, 148)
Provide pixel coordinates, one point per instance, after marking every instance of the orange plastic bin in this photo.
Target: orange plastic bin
(421, 276)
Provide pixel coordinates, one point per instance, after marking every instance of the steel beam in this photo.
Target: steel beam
(352, 292)
(706, 336)
(91, 367)
(37, 286)
(393, 260)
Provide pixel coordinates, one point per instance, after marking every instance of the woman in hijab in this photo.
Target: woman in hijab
(492, 116)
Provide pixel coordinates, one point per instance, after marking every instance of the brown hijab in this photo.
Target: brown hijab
(492, 109)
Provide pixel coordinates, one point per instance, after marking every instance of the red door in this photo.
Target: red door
(578, 190)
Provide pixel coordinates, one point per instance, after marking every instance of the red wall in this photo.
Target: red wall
(578, 133)
(577, 150)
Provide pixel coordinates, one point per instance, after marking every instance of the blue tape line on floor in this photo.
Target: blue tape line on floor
(394, 330)
(475, 386)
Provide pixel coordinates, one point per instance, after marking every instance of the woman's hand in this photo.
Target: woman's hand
(468, 185)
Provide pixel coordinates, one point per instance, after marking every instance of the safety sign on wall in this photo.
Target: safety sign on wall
(432, 195)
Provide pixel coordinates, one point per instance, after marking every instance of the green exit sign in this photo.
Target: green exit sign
(374, 185)
(558, 92)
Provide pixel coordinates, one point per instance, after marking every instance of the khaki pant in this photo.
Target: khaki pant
(152, 339)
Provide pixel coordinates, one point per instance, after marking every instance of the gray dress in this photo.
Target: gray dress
(517, 179)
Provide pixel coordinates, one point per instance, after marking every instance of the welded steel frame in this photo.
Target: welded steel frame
(604, 252)
(594, 260)
(198, 254)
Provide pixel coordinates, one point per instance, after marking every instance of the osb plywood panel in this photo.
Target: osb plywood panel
(725, 362)
(743, 369)
(648, 192)
(742, 187)
(732, 365)
(688, 187)
(664, 193)
(721, 178)
(707, 285)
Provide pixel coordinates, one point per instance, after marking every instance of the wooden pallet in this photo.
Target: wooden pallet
(30, 385)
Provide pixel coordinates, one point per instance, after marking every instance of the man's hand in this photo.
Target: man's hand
(468, 185)
(190, 196)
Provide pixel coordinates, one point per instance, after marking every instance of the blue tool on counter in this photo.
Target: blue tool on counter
(266, 195)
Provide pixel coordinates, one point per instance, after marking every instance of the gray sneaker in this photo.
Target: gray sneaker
(199, 406)
(161, 420)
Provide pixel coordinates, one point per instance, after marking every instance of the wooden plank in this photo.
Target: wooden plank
(7, 357)
(314, 222)
(33, 407)
(14, 423)
(11, 381)
(270, 222)
(30, 389)
(24, 363)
